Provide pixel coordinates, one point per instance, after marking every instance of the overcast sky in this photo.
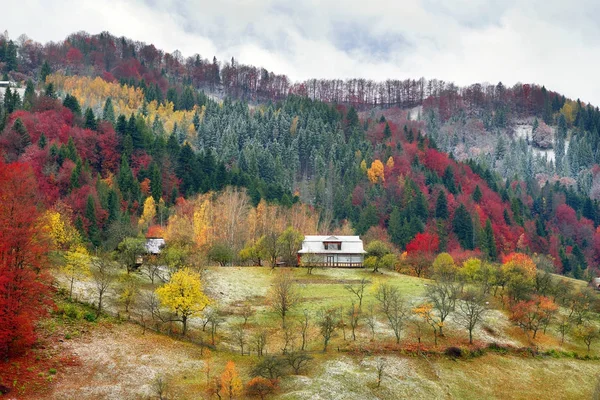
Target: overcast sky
(550, 42)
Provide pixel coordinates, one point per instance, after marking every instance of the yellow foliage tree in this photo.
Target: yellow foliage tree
(376, 173)
(183, 295)
(569, 110)
(390, 163)
(76, 266)
(363, 166)
(60, 229)
(148, 213)
(231, 384)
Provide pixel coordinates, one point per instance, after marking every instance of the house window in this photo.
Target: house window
(333, 246)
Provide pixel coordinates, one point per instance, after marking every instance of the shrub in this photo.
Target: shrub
(90, 316)
(52, 371)
(71, 311)
(454, 352)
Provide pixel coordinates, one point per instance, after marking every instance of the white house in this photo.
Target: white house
(154, 245)
(333, 251)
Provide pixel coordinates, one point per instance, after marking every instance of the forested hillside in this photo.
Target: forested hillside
(107, 123)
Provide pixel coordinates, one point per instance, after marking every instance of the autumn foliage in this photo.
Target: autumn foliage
(23, 281)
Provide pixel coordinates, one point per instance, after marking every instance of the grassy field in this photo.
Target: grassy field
(112, 359)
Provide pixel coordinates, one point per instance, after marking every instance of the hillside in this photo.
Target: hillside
(477, 205)
(117, 359)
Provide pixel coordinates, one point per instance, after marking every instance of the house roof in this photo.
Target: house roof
(154, 245)
(314, 244)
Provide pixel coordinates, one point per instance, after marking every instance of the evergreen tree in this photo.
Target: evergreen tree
(76, 175)
(90, 120)
(49, 91)
(155, 182)
(43, 141)
(90, 216)
(441, 206)
(448, 180)
(462, 225)
(29, 95)
(45, 71)
(72, 104)
(490, 241)
(368, 218)
(108, 113)
(477, 195)
(387, 132)
(10, 57)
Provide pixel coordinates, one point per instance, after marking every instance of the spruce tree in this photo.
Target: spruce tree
(448, 180)
(462, 225)
(90, 120)
(45, 71)
(387, 132)
(72, 104)
(490, 242)
(108, 112)
(477, 195)
(441, 206)
(90, 215)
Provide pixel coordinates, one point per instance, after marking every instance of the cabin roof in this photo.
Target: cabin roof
(154, 245)
(314, 244)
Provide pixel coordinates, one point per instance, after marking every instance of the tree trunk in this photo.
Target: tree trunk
(184, 323)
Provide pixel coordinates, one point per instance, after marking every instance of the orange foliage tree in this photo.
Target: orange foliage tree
(231, 384)
(260, 387)
(533, 315)
(376, 172)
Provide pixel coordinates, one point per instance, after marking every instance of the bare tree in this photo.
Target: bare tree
(380, 367)
(371, 319)
(442, 296)
(239, 335)
(284, 295)
(354, 317)
(565, 324)
(328, 322)
(246, 313)
(310, 261)
(297, 360)
(304, 330)
(288, 339)
(103, 270)
(393, 307)
(471, 310)
(160, 386)
(260, 342)
(358, 290)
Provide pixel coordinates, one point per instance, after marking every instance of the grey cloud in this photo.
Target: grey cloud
(549, 42)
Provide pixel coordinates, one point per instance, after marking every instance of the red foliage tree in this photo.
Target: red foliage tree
(424, 243)
(23, 282)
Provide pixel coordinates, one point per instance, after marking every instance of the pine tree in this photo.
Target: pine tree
(441, 206)
(45, 71)
(155, 182)
(490, 242)
(72, 104)
(49, 91)
(29, 95)
(108, 113)
(477, 195)
(10, 57)
(448, 180)
(462, 225)
(90, 215)
(43, 141)
(387, 132)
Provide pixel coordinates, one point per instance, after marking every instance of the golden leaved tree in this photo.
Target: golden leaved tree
(183, 295)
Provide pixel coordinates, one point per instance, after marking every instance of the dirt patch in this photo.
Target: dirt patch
(118, 362)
